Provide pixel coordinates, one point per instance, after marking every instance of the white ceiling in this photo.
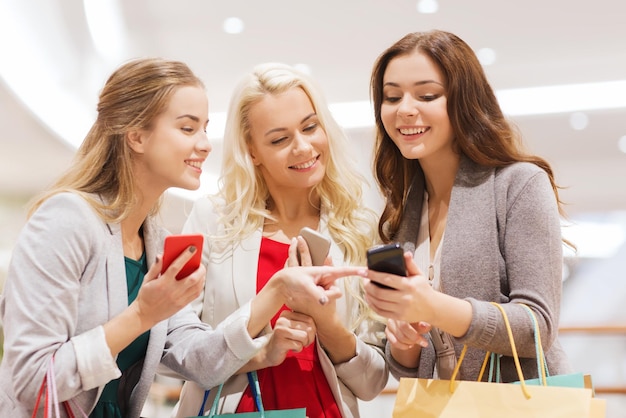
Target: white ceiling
(537, 42)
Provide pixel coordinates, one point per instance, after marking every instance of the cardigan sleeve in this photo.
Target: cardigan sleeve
(532, 250)
(41, 302)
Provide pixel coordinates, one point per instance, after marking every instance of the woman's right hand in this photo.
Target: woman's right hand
(406, 341)
(404, 336)
(295, 286)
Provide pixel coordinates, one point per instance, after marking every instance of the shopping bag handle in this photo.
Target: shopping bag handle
(253, 381)
(518, 367)
(48, 390)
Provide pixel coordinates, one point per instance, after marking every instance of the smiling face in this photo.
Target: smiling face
(414, 107)
(171, 152)
(287, 142)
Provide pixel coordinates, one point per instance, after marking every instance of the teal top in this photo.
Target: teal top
(108, 406)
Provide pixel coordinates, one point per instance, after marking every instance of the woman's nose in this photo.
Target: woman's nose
(408, 107)
(203, 145)
(301, 143)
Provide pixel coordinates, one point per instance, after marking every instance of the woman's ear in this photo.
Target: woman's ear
(136, 140)
(252, 155)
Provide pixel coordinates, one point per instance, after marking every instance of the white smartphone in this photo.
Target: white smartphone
(319, 245)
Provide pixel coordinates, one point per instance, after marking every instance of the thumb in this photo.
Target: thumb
(411, 267)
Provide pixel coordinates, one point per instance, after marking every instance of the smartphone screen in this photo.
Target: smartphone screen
(318, 244)
(387, 258)
(174, 246)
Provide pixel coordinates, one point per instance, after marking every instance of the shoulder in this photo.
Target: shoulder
(65, 227)
(518, 172)
(517, 176)
(524, 182)
(68, 210)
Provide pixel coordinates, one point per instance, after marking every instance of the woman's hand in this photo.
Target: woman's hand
(161, 295)
(300, 254)
(413, 300)
(296, 287)
(407, 300)
(404, 336)
(293, 331)
(406, 341)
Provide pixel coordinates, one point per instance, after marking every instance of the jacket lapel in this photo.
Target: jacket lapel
(245, 267)
(471, 237)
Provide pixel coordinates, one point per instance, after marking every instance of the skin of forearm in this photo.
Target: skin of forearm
(257, 362)
(450, 314)
(337, 341)
(263, 308)
(124, 329)
(408, 358)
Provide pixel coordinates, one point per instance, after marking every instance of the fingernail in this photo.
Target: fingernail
(362, 272)
(192, 249)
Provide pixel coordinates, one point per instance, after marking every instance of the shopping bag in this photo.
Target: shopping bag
(48, 391)
(579, 380)
(253, 381)
(572, 380)
(451, 399)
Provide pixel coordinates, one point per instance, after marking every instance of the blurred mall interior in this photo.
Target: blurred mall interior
(558, 67)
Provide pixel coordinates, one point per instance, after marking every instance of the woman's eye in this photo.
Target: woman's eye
(391, 99)
(310, 127)
(279, 140)
(429, 97)
(187, 129)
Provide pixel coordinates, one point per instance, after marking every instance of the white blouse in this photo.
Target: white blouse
(430, 268)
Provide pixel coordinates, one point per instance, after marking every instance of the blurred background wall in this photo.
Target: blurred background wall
(558, 67)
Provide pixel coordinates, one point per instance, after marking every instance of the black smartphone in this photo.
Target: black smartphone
(388, 258)
(174, 246)
(318, 244)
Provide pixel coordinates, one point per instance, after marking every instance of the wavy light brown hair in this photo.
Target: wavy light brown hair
(132, 98)
(481, 132)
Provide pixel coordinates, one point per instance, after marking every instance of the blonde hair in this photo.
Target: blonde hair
(132, 98)
(350, 223)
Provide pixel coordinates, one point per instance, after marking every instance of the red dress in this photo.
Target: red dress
(299, 382)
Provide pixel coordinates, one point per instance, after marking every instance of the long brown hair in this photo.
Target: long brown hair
(133, 96)
(481, 132)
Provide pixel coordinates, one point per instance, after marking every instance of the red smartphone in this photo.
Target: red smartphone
(175, 245)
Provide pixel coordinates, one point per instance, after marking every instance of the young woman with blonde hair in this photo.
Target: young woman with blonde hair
(286, 166)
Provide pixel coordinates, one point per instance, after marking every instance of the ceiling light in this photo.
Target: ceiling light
(233, 25)
(104, 20)
(578, 121)
(427, 6)
(563, 98)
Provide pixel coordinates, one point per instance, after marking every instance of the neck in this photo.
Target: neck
(292, 212)
(440, 175)
(132, 239)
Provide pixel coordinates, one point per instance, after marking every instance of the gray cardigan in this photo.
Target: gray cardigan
(67, 278)
(503, 244)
